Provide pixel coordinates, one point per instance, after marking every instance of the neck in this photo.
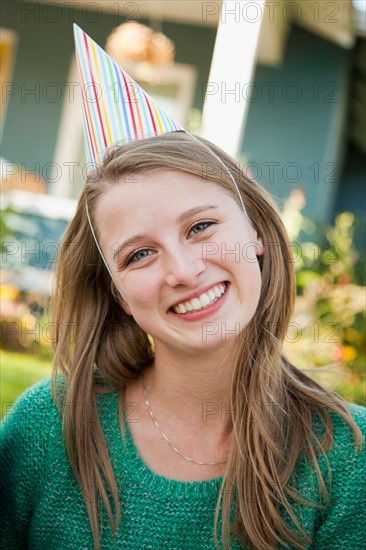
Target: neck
(192, 394)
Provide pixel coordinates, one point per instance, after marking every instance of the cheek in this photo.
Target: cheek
(233, 245)
(141, 290)
(252, 282)
(141, 296)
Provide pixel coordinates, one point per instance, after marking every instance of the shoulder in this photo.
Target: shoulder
(358, 413)
(26, 426)
(26, 437)
(33, 406)
(344, 454)
(341, 521)
(348, 460)
(344, 447)
(342, 466)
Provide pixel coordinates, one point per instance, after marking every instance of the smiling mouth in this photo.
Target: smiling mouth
(204, 301)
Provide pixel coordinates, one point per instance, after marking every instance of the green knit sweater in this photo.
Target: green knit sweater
(42, 507)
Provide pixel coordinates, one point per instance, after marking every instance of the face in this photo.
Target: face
(184, 257)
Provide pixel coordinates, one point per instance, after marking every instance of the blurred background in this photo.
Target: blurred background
(279, 85)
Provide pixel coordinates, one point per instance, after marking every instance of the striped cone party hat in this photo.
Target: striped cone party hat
(116, 109)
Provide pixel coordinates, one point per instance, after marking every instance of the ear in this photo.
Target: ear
(259, 247)
(124, 305)
(257, 240)
(120, 299)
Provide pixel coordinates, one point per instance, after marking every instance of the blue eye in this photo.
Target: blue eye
(205, 224)
(135, 256)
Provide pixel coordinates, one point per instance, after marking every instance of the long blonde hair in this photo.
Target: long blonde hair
(272, 402)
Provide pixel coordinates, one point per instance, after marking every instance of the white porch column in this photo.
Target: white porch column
(226, 102)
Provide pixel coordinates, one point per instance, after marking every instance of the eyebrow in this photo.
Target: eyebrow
(181, 219)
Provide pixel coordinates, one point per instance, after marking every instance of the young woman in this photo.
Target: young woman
(174, 419)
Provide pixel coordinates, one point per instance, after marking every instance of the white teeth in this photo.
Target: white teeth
(217, 291)
(196, 303)
(204, 300)
(211, 294)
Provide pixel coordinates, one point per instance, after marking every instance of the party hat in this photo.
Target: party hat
(116, 109)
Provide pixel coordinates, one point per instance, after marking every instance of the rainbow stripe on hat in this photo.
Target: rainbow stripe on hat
(116, 109)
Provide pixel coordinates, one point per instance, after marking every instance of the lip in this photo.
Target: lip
(197, 294)
(202, 313)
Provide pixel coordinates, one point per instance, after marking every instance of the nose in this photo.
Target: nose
(183, 266)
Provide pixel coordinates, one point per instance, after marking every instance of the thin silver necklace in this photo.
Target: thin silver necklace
(166, 437)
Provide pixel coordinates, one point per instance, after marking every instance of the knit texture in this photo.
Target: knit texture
(42, 507)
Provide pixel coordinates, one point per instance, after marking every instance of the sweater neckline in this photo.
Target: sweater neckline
(138, 472)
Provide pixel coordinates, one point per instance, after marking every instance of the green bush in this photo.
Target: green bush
(328, 327)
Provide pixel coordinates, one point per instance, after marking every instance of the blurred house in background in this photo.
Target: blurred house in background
(305, 120)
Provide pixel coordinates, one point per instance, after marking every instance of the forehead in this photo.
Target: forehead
(161, 190)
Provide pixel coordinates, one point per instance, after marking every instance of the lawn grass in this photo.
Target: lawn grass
(18, 371)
